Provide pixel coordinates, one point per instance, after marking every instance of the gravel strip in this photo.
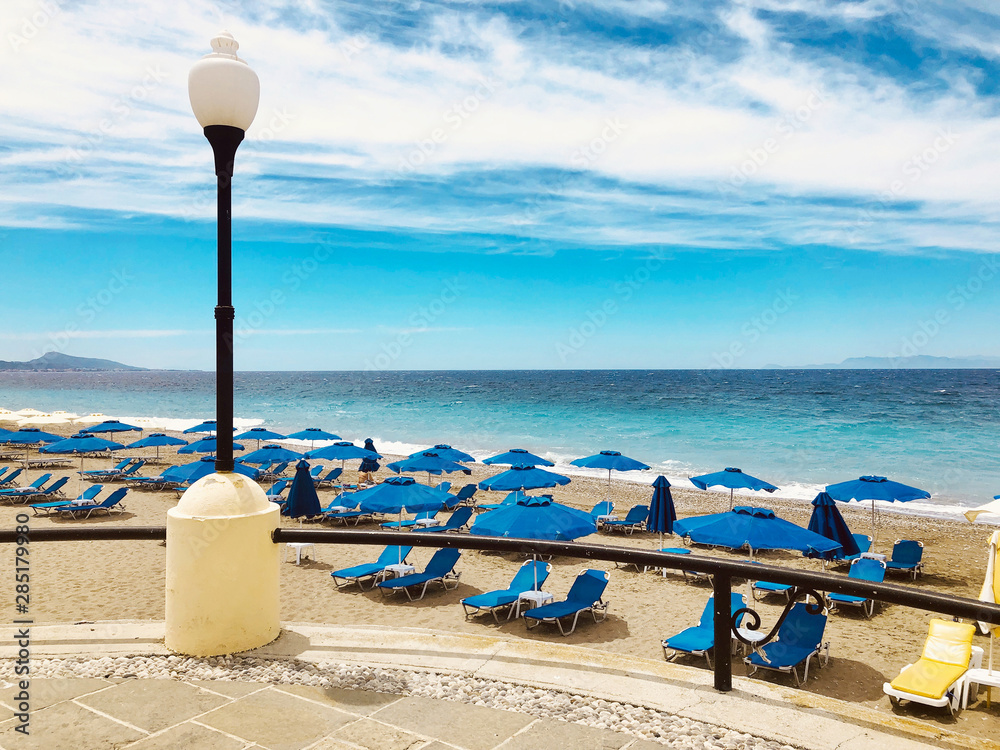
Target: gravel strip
(638, 721)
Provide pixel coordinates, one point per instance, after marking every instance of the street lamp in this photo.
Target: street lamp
(224, 93)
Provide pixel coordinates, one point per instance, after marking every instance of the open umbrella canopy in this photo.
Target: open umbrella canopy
(428, 461)
(340, 451)
(733, 479)
(448, 453)
(30, 436)
(29, 412)
(209, 426)
(398, 494)
(535, 518)
(205, 445)
(827, 521)
(610, 460)
(44, 419)
(113, 425)
(192, 472)
(260, 433)
(517, 456)
(661, 508)
(875, 488)
(522, 477)
(302, 498)
(992, 508)
(313, 434)
(156, 440)
(270, 453)
(756, 529)
(82, 443)
(95, 417)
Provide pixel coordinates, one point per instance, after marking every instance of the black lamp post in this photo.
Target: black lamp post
(224, 93)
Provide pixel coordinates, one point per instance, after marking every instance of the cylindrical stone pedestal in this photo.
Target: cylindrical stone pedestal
(222, 568)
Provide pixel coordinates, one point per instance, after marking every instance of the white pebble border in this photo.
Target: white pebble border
(638, 721)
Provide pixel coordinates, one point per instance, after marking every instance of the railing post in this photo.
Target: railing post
(722, 623)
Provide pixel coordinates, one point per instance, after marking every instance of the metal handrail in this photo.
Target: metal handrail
(722, 571)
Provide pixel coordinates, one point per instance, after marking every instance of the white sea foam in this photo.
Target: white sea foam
(179, 424)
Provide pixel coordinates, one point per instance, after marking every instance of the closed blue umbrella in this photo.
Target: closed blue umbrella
(523, 478)
(113, 425)
(535, 518)
(192, 472)
(448, 453)
(259, 434)
(826, 520)
(205, 445)
(209, 426)
(156, 440)
(875, 488)
(302, 498)
(661, 509)
(427, 461)
(757, 529)
(612, 461)
(731, 478)
(517, 456)
(270, 453)
(369, 465)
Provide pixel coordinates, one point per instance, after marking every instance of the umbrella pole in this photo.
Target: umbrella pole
(874, 527)
(731, 506)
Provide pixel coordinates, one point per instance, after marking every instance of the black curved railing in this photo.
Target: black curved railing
(723, 572)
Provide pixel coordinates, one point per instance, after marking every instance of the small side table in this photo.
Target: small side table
(754, 636)
(873, 556)
(397, 570)
(536, 598)
(425, 522)
(299, 547)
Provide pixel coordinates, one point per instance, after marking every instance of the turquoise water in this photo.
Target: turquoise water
(799, 429)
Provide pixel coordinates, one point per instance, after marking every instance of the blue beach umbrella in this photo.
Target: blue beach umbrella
(757, 529)
(82, 444)
(522, 477)
(535, 518)
(396, 494)
(342, 451)
(29, 436)
(113, 425)
(369, 465)
(205, 445)
(731, 478)
(448, 453)
(612, 461)
(192, 472)
(259, 434)
(662, 513)
(302, 498)
(270, 453)
(826, 520)
(517, 456)
(156, 440)
(209, 426)
(428, 461)
(875, 488)
(312, 434)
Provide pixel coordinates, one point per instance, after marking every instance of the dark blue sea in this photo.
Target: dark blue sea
(799, 429)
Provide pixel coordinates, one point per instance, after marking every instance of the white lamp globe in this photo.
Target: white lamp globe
(223, 89)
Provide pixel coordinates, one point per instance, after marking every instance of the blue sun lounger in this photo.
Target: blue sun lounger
(86, 496)
(332, 476)
(700, 639)
(99, 474)
(863, 569)
(408, 522)
(8, 479)
(36, 485)
(462, 497)
(907, 556)
(524, 580)
(457, 522)
(799, 639)
(357, 574)
(584, 595)
(111, 503)
(634, 520)
(440, 568)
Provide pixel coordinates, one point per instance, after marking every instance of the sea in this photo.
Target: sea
(799, 429)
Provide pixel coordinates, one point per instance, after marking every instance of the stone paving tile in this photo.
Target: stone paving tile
(552, 733)
(46, 692)
(231, 689)
(472, 727)
(189, 737)
(276, 720)
(370, 734)
(362, 702)
(67, 725)
(153, 704)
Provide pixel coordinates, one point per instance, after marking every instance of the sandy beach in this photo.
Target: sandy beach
(74, 582)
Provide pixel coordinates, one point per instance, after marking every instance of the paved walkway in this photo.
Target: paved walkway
(143, 714)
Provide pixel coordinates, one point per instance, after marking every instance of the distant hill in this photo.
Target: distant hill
(920, 362)
(59, 361)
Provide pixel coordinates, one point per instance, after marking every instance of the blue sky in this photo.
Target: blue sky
(438, 185)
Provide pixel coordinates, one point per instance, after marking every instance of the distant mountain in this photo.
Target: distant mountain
(59, 361)
(920, 362)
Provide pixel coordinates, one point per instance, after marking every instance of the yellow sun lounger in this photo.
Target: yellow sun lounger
(936, 678)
